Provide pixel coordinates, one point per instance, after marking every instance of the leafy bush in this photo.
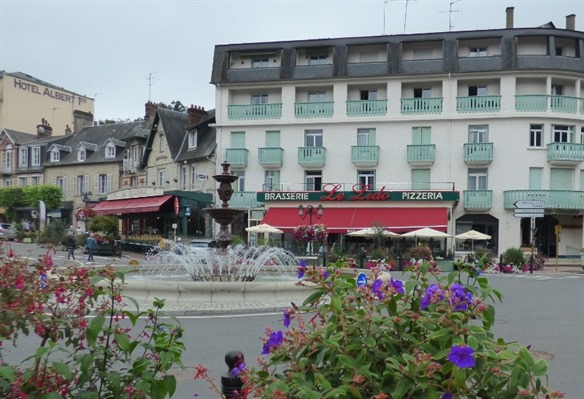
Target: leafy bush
(419, 252)
(513, 256)
(429, 337)
(106, 224)
(54, 233)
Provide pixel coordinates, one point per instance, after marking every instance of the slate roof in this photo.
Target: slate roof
(19, 138)
(207, 140)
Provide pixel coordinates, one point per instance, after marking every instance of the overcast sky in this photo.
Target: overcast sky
(108, 49)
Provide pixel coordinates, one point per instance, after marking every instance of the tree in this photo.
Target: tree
(108, 225)
(10, 198)
(51, 195)
(175, 105)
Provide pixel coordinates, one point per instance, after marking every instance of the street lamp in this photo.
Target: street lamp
(86, 196)
(310, 211)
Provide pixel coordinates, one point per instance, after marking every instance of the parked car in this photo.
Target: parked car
(201, 245)
(7, 232)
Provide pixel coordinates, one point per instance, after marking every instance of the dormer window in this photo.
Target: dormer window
(81, 154)
(55, 155)
(193, 138)
(110, 150)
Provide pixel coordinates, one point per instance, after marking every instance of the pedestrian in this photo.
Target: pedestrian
(70, 246)
(91, 245)
(362, 257)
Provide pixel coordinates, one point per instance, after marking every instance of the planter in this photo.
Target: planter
(445, 265)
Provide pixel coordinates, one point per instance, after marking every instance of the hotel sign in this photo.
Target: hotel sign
(137, 192)
(331, 193)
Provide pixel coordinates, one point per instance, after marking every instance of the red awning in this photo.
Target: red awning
(343, 220)
(134, 205)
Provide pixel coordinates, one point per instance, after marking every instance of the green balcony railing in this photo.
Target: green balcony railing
(552, 199)
(569, 152)
(543, 103)
(272, 157)
(365, 155)
(478, 153)
(366, 107)
(314, 157)
(254, 111)
(478, 104)
(244, 199)
(416, 106)
(478, 199)
(531, 103)
(321, 109)
(237, 157)
(421, 153)
(564, 104)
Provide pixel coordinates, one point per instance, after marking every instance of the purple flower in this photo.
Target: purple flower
(459, 297)
(239, 367)
(326, 275)
(398, 285)
(434, 294)
(462, 356)
(376, 288)
(286, 318)
(301, 268)
(447, 395)
(275, 340)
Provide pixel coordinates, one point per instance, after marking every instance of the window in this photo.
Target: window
(478, 134)
(8, 182)
(61, 182)
(317, 59)
(368, 95)
(54, 155)
(365, 137)
(137, 153)
(110, 150)
(561, 179)
(477, 179)
(477, 91)
(161, 142)
(8, 156)
(23, 181)
(535, 135)
(420, 179)
(313, 180)
(81, 154)
(557, 90)
(477, 52)
(562, 134)
(272, 180)
(535, 178)
(316, 96)
(421, 135)
(193, 138)
(184, 177)
(366, 179)
(273, 138)
(368, 56)
(133, 181)
(313, 138)
(161, 177)
(559, 51)
(422, 92)
(36, 180)
(237, 140)
(36, 156)
(582, 135)
(582, 180)
(259, 99)
(193, 177)
(81, 184)
(240, 183)
(23, 157)
(104, 184)
(260, 62)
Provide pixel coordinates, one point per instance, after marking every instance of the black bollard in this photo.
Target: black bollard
(230, 383)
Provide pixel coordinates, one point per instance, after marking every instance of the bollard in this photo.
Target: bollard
(230, 382)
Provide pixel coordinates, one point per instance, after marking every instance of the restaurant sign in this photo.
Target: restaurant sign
(331, 193)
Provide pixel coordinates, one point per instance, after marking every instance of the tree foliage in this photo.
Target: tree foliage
(51, 195)
(106, 224)
(175, 105)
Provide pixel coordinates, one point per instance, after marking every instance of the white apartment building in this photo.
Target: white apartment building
(447, 130)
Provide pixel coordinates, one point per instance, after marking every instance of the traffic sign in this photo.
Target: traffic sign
(528, 215)
(532, 210)
(361, 280)
(528, 204)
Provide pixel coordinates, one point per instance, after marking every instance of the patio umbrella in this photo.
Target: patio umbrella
(472, 235)
(371, 232)
(426, 232)
(263, 228)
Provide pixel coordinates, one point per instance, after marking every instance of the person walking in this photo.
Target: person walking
(70, 246)
(91, 245)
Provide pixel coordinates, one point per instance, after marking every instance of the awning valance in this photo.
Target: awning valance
(343, 220)
(133, 205)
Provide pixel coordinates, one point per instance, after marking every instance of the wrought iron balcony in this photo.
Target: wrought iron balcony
(478, 104)
(543, 103)
(271, 157)
(478, 153)
(236, 157)
(421, 154)
(552, 199)
(416, 106)
(244, 200)
(366, 107)
(130, 165)
(322, 109)
(311, 157)
(477, 199)
(254, 111)
(365, 155)
(565, 153)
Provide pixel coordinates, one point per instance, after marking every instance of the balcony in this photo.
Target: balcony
(478, 104)
(552, 199)
(365, 156)
(322, 109)
(237, 157)
(254, 111)
(244, 200)
(366, 107)
(311, 157)
(130, 165)
(477, 200)
(565, 153)
(271, 157)
(417, 106)
(543, 103)
(421, 154)
(478, 153)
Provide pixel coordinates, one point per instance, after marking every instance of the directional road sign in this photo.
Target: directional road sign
(532, 210)
(528, 215)
(361, 280)
(528, 204)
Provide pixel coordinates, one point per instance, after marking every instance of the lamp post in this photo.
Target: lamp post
(311, 211)
(86, 196)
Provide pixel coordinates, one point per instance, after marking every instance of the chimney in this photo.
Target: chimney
(571, 22)
(81, 119)
(509, 22)
(196, 115)
(68, 131)
(150, 110)
(44, 129)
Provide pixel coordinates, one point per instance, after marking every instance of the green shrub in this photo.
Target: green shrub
(106, 224)
(419, 252)
(54, 233)
(514, 256)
